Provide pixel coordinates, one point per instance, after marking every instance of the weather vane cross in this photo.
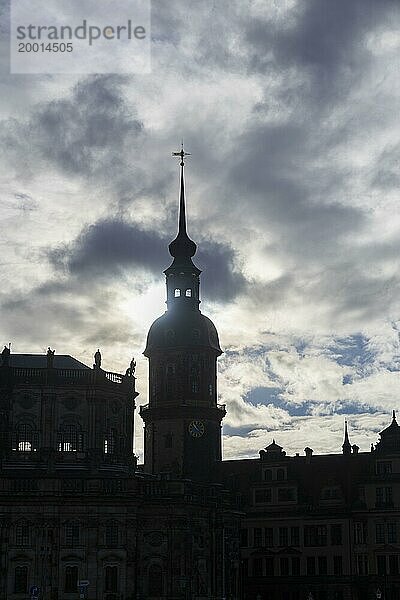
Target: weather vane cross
(182, 155)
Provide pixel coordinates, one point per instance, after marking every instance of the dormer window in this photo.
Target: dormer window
(177, 293)
(188, 293)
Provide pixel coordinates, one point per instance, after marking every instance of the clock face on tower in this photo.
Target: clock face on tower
(196, 429)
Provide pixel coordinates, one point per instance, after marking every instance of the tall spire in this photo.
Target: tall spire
(182, 247)
(346, 446)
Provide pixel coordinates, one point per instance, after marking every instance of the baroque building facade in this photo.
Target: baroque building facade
(79, 518)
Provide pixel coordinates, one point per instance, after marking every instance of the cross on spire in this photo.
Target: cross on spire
(182, 155)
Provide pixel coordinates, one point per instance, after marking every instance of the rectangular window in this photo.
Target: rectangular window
(22, 537)
(269, 537)
(310, 565)
(286, 495)
(315, 535)
(381, 564)
(20, 580)
(111, 535)
(263, 496)
(337, 565)
(380, 533)
(257, 537)
(72, 534)
(284, 565)
(393, 564)
(244, 538)
(336, 535)
(384, 496)
(360, 533)
(384, 467)
(295, 536)
(258, 567)
(269, 566)
(392, 533)
(283, 536)
(295, 565)
(322, 565)
(362, 564)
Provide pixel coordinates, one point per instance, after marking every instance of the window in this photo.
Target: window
(263, 495)
(380, 533)
(269, 537)
(362, 564)
(322, 565)
(24, 441)
(268, 475)
(283, 536)
(384, 496)
(286, 495)
(337, 565)
(360, 533)
(280, 474)
(188, 293)
(111, 534)
(258, 567)
(70, 439)
(257, 537)
(244, 538)
(195, 385)
(393, 564)
(155, 581)
(384, 467)
(269, 566)
(295, 536)
(284, 565)
(109, 442)
(336, 535)
(71, 579)
(177, 293)
(72, 534)
(315, 535)
(392, 533)
(111, 579)
(310, 565)
(295, 565)
(168, 440)
(381, 564)
(22, 534)
(20, 580)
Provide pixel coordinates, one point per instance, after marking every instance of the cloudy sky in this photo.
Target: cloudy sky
(291, 112)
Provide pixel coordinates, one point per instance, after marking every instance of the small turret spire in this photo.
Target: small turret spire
(346, 446)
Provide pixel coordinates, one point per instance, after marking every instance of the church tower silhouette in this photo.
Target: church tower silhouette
(182, 419)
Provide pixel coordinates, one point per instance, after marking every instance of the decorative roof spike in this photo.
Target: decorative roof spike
(346, 446)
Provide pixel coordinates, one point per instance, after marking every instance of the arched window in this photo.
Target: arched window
(20, 579)
(177, 293)
(268, 475)
(188, 293)
(155, 581)
(111, 534)
(25, 438)
(70, 438)
(71, 579)
(111, 579)
(280, 474)
(22, 533)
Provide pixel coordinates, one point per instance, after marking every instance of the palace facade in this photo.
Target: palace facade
(80, 519)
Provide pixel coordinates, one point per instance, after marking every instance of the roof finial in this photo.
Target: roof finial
(394, 415)
(182, 155)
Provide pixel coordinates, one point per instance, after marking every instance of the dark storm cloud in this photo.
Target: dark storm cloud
(326, 39)
(111, 245)
(85, 133)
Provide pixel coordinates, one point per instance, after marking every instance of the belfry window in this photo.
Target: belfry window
(188, 293)
(177, 293)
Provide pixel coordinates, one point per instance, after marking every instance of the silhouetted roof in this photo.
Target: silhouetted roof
(39, 361)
